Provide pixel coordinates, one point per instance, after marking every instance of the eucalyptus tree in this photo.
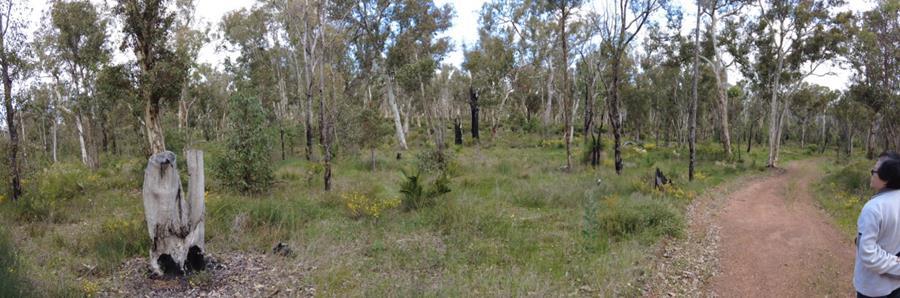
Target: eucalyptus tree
(490, 64)
(564, 11)
(721, 10)
(116, 97)
(618, 26)
(48, 62)
(875, 58)
(371, 24)
(415, 51)
(80, 37)
(695, 78)
(148, 28)
(14, 55)
(189, 35)
(807, 103)
(785, 45)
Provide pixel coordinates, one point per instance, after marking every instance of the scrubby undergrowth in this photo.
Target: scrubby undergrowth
(510, 222)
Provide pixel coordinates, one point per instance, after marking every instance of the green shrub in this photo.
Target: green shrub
(245, 166)
(431, 161)
(62, 181)
(124, 174)
(31, 209)
(12, 281)
(359, 205)
(51, 187)
(416, 196)
(640, 216)
(852, 178)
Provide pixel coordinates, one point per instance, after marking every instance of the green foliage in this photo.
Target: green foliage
(246, 166)
(436, 161)
(359, 205)
(854, 177)
(639, 216)
(373, 129)
(51, 187)
(415, 194)
(118, 239)
(844, 191)
(12, 280)
(62, 181)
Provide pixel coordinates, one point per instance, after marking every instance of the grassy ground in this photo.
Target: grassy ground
(513, 224)
(844, 191)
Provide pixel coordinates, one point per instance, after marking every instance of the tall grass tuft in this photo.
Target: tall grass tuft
(118, 239)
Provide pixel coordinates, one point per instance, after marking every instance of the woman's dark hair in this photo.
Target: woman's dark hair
(889, 172)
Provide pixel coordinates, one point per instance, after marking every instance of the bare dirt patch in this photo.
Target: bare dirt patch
(227, 275)
(757, 237)
(775, 241)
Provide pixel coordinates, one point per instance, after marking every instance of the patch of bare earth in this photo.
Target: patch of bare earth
(227, 275)
(767, 238)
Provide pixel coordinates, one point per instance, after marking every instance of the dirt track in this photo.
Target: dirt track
(775, 242)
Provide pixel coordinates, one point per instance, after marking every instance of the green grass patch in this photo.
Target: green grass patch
(514, 223)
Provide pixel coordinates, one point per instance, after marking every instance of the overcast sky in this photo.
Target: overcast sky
(463, 32)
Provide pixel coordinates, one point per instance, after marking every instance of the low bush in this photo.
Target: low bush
(245, 166)
(62, 181)
(415, 194)
(435, 161)
(359, 205)
(637, 217)
(46, 190)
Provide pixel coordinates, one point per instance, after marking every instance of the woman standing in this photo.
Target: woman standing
(877, 270)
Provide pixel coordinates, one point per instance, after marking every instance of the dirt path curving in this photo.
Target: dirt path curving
(775, 242)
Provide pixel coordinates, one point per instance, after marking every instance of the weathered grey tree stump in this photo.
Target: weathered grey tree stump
(176, 224)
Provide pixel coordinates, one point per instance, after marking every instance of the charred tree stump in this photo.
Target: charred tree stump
(659, 179)
(175, 223)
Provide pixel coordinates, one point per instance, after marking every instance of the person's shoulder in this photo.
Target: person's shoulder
(885, 199)
(891, 194)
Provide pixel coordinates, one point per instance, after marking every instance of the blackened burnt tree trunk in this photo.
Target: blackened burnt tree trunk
(457, 131)
(473, 105)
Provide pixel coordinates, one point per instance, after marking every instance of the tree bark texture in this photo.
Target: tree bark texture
(176, 224)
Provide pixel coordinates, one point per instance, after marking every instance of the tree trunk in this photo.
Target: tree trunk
(15, 186)
(457, 131)
(775, 120)
(548, 110)
(803, 133)
(281, 133)
(83, 141)
(154, 130)
(176, 225)
(398, 126)
(750, 135)
(693, 113)
(720, 83)
(871, 138)
(588, 107)
(324, 124)
(615, 119)
(54, 132)
(568, 110)
(473, 106)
